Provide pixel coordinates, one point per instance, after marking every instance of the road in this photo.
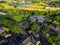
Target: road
(29, 8)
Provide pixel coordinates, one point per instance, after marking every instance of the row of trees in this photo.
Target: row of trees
(54, 3)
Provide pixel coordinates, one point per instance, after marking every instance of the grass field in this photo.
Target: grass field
(38, 5)
(17, 18)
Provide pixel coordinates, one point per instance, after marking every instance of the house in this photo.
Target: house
(1, 39)
(21, 24)
(19, 39)
(2, 28)
(3, 12)
(27, 40)
(31, 40)
(54, 43)
(6, 34)
(53, 32)
(3, 31)
(16, 39)
(24, 34)
(46, 18)
(53, 26)
(33, 17)
(57, 28)
(30, 43)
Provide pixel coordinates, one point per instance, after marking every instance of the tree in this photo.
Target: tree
(45, 28)
(35, 27)
(26, 25)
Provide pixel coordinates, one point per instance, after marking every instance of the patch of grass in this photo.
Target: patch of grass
(18, 18)
(6, 6)
(37, 5)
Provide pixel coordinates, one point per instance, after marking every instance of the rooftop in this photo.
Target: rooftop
(39, 18)
(3, 12)
(2, 28)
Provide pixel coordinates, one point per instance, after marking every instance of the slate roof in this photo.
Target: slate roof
(3, 12)
(2, 28)
(53, 32)
(23, 22)
(58, 28)
(39, 18)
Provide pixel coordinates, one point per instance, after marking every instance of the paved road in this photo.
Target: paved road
(43, 38)
(28, 8)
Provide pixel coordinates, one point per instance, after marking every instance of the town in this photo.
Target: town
(27, 22)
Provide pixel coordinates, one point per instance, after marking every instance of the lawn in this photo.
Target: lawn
(6, 6)
(18, 18)
(37, 5)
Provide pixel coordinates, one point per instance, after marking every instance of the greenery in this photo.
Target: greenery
(11, 24)
(54, 3)
(35, 27)
(15, 15)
